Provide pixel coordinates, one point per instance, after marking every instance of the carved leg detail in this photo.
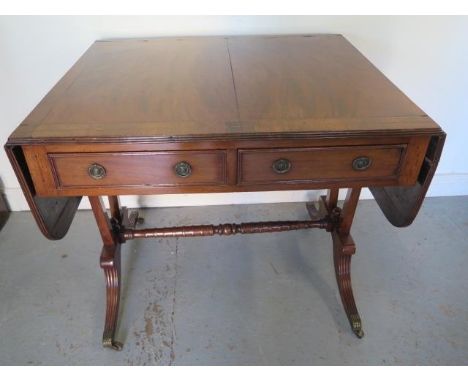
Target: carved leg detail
(343, 249)
(110, 263)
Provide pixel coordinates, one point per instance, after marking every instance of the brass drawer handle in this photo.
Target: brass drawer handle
(361, 163)
(183, 169)
(96, 171)
(281, 166)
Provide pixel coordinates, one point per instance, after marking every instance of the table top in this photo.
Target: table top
(206, 87)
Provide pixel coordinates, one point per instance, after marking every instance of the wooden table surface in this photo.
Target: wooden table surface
(223, 87)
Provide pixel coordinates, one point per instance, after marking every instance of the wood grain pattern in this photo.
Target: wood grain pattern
(221, 87)
(110, 264)
(310, 165)
(315, 77)
(343, 249)
(144, 169)
(349, 209)
(225, 229)
(102, 220)
(114, 208)
(53, 215)
(168, 83)
(61, 169)
(401, 205)
(331, 200)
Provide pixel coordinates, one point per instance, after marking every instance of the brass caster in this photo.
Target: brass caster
(111, 344)
(359, 333)
(356, 325)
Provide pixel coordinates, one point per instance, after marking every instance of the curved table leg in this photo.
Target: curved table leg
(343, 249)
(110, 263)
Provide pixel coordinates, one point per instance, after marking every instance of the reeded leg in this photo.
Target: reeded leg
(343, 249)
(110, 263)
(110, 259)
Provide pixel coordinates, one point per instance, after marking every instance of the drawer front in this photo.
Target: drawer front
(296, 165)
(139, 169)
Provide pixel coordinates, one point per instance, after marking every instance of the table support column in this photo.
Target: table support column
(343, 249)
(110, 264)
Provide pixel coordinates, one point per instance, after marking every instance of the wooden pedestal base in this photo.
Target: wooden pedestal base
(121, 227)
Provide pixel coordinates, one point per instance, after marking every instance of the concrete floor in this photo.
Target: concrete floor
(266, 299)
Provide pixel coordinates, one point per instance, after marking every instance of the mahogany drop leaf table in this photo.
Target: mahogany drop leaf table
(223, 114)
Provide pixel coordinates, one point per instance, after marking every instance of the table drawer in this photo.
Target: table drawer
(292, 165)
(138, 169)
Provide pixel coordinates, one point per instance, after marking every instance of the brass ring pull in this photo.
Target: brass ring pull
(183, 169)
(361, 163)
(281, 166)
(96, 171)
